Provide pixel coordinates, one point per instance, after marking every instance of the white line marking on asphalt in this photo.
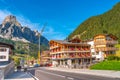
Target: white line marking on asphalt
(70, 78)
(51, 73)
(33, 76)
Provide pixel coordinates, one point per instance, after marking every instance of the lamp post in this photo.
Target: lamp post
(39, 52)
(27, 47)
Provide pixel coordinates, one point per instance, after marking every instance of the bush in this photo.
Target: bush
(110, 58)
(17, 61)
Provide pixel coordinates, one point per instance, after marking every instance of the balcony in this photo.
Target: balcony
(52, 47)
(79, 55)
(77, 50)
(106, 49)
(70, 50)
(99, 43)
(112, 42)
(105, 42)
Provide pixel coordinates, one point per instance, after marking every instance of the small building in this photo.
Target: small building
(72, 54)
(5, 52)
(92, 48)
(104, 45)
(45, 58)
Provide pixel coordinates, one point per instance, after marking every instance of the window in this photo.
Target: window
(2, 49)
(2, 57)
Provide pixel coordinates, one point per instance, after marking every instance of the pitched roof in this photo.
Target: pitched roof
(12, 47)
(111, 35)
(69, 43)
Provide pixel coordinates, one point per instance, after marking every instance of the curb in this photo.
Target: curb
(88, 73)
(33, 76)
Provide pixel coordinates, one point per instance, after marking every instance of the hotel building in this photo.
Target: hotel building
(73, 54)
(104, 45)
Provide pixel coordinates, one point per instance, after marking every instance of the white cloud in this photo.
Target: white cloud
(3, 14)
(23, 20)
(26, 22)
(50, 33)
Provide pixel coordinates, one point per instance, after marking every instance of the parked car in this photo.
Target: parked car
(19, 68)
(36, 65)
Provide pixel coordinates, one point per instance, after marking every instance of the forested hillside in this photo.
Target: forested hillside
(25, 48)
(107, 23)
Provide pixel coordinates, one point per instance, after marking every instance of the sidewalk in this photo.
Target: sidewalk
(104, 73)
(20, 75)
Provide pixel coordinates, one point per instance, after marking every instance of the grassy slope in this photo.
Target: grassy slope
(107, 65)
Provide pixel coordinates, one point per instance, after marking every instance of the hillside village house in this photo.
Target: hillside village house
(73, 54)
(45, 58)
(5, 51)
(104, 45)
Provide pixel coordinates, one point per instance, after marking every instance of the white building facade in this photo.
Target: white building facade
(5, 51)
(97, 56)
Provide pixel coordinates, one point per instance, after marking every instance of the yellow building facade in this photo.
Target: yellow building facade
(105, 44)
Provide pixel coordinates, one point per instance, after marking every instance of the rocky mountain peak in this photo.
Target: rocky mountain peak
(12, 29)
(11, 19)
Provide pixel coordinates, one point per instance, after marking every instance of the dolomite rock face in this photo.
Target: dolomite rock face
(12, 29)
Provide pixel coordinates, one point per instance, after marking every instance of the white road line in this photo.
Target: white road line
(33, 76)
(51, 73)
(70, 78)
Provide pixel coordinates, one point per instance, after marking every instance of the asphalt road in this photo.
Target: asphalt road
(43, 74)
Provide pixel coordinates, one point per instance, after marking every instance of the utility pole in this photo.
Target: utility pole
(39, 52)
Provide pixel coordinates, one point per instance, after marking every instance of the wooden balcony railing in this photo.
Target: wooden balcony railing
(70, 50)
(79, 55)
(112, 42)
(106, 49)
(105, 42)
(52, 47)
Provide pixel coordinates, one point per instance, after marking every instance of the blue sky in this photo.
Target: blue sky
(61, 16)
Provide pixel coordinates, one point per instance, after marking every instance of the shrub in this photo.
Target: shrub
(110, 58)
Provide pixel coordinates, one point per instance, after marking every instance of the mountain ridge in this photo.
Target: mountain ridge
(12, 29)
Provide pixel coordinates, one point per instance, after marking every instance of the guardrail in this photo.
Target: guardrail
(6, 69)
(1, 75)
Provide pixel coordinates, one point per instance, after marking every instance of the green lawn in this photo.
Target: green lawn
(107, 65)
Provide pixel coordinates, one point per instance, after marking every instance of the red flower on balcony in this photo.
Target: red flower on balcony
(79, 48)
(72, 48)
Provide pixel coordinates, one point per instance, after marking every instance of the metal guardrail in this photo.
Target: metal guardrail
(1, 75)
(6, 69)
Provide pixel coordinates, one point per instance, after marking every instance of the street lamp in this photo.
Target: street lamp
(39, 53)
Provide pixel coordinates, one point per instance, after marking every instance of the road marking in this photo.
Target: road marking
(70, 78)
(51, 73)
(33, 76)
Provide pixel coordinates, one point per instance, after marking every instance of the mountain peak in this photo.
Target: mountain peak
(11, 19)
(12, 29)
